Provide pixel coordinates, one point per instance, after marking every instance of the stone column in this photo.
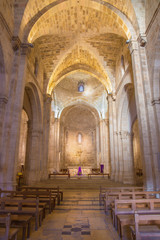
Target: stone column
(33, 154)
(54, 160)
(120, 154)
(98, 143)
(111, 135)
(3, 102)
(156, 108)
(104, 145)
(148, 134)
(128, 166)
(46, 127)
(12, 119)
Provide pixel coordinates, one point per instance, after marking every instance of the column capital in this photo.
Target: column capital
(111, 97)
(18, 45)
(47, 98)
(133, 45)
(29, 125)
(155, 101)
(106, 121)
(3, 100)
(142, 39)
(125, 134)
(37, 132)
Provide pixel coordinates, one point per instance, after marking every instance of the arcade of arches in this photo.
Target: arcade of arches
(48, 48)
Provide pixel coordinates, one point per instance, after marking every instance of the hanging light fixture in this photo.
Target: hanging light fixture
(80, 86)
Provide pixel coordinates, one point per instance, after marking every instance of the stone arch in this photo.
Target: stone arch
(34, 111)
(128, 16)
(79, 57)
(75, 103)
(32, 107)
(128, 112)
(139, 8)
(97, 113)
(19, 9)
(87, 129)
(127, 115)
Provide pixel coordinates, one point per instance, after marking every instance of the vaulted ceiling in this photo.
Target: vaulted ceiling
(78, 38)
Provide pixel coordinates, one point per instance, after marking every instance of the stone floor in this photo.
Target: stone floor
(79, 216)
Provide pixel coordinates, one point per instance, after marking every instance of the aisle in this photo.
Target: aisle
(78, 217)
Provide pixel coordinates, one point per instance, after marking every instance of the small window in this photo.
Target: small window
(79, 138)
(122, 64)
(81, 86)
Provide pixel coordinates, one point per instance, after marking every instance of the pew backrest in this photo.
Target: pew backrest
(153, 205)
(6, 220)
(145, 217)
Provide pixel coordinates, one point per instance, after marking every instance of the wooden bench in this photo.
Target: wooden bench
(150, 228)
(54, 190)
(99, 174)
(122, 213)
(6, 232)
(103, 190)
(44, 197)
(22, 207)
(22, 221)
(111, 196)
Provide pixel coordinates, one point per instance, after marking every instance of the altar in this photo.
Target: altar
(73, 170)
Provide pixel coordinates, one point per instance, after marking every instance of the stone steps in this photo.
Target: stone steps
(80, 184)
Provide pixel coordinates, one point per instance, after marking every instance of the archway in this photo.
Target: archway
(33, 158)
(127, 115)
(78, 139)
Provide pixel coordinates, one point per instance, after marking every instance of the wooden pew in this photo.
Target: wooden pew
(44, 197)
(6, 232)
(103, 191)
(54, 190)
(22, 207)
(22, 221)
(111, 196)
(122, 213)
(150, 228)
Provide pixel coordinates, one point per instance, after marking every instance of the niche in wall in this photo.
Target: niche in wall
(79, 138)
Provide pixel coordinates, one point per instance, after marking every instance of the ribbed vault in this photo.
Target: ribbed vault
(39, 7)
(59, 29)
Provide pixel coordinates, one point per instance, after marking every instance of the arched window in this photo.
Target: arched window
(122, 65)
(79, 138)
(81, 86)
